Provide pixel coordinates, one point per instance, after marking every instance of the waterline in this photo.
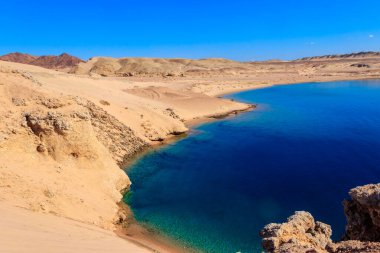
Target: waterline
(302, 149)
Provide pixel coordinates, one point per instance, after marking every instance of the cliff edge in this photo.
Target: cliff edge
(302, 234)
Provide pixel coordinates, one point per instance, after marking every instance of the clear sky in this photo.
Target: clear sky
(235, 29)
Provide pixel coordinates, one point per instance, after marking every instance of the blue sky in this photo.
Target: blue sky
(235, 29)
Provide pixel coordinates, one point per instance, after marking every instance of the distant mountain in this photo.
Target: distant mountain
(62, 61)
(343, 56)
(18, 57)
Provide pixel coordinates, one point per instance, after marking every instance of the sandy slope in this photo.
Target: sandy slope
(63, 138)
(26, 231)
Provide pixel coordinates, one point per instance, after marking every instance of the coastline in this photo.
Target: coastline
(153, 239)
(146, 237)
(142, 235)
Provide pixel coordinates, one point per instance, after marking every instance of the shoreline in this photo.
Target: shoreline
(146, 237)
(152, 239)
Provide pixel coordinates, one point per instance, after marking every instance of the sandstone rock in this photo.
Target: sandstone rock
(51, 103)
(299, 234)
(171, 113)
(302, 234)
(118, 138)
(81, 115)
(52, 121)
(354, 247)
(18, 101)
(363, 213)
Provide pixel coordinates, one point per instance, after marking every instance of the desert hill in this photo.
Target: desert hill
(157, 67)
(62, 61)
(359, 55)
(123, 67)
(18, 57)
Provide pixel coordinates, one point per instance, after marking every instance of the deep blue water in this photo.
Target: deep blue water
(303, 148)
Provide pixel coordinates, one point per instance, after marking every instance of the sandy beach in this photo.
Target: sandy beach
(65, 138)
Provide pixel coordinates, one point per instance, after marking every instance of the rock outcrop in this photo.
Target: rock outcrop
(302, 234)
(363, 213)
(120, 140)
(299, 234)
(60, 153)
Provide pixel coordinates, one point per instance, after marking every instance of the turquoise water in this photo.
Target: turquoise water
(303, 148)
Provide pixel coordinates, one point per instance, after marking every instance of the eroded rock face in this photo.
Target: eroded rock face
(299, 234)
(46, 123)
(363, 213)
(354, 247)
(117, 137)
(302, 234)
(55, 149)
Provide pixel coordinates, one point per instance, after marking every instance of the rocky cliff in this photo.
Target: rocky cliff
(363, 213)
(301, 233)
(59, 153)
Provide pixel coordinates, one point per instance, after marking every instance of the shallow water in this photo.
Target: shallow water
(303, 148)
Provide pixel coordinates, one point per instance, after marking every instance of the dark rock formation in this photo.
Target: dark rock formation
(57, 62)
(51, 61)
(18, 57)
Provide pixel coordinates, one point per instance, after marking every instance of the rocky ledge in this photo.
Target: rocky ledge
(301, 233)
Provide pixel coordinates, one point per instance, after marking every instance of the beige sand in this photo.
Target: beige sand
(64, 137)
(26, 231)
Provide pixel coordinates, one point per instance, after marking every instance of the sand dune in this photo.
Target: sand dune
(26, 231)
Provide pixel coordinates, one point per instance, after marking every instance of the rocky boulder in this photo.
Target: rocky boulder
(299, 234)
(302, 234)
(363, 213)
